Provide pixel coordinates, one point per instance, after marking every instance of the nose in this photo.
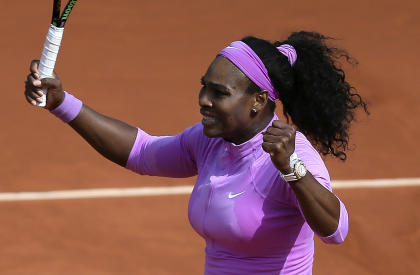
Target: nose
(204, 99)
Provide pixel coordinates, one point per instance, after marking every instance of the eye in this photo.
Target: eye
(220, 94)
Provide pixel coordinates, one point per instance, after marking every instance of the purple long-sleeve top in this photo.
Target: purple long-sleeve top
(248, 215)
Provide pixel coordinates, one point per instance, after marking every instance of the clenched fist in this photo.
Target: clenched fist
(279, 142)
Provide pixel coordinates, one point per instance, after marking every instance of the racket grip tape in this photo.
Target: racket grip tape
(49, 56)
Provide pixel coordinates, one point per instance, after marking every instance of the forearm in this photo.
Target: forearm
(112, 138)
(320, 207)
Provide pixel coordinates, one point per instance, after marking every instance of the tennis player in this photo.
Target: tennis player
(262, 190)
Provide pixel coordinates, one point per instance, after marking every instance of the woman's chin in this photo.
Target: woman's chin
(210, 132)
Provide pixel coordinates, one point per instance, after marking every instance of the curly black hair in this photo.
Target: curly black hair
(314, 92)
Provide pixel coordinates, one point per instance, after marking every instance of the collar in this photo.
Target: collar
(252, 147)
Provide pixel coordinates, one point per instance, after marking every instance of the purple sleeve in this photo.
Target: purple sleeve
(316, 166)
(343, 227)
(165, 156)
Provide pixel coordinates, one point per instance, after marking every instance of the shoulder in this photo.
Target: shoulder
(196, 129)
(193, 134)
(304, 147)
(194, 140)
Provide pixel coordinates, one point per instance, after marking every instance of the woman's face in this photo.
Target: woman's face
(224, 102)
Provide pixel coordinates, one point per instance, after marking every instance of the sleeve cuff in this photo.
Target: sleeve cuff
(342, 229)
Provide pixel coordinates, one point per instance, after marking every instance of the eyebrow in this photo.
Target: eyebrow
(218, 86)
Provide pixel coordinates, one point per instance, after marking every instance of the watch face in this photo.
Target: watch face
(300, 169)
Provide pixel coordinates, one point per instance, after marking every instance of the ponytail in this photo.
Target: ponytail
(314, 92)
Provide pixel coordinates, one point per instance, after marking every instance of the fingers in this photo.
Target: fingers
(35, 87)
(275, 145)
(33, 68)
(29, 99)
(33, 82)
(279, 142)
(277, 124)
(277, 138)
(33, 92)
(272, 148)
(33, 98)
(279, 132)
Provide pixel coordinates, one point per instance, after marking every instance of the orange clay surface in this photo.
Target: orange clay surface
(141, 62)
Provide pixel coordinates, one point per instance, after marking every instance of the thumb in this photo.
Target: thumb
(51, 84)
(55, 94)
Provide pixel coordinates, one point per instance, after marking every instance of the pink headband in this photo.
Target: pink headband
(251, 65)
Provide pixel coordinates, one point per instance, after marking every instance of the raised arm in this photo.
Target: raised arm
(322, 210)
(110, 137)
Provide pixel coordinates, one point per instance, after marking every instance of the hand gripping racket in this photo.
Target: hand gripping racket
(52, 42)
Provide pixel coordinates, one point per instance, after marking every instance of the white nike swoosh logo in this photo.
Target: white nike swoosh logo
(231, 196)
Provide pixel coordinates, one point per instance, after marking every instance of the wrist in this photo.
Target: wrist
(59, 100)
(286, 169)
(68, 109)
(297, 169)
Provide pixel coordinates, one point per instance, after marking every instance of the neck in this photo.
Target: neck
(259, 123)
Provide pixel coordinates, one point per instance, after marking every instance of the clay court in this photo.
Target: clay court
(141, 62)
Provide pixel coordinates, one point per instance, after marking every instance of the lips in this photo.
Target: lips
(208, 118)
(208, 121)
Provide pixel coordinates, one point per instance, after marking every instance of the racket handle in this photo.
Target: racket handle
(49, 56)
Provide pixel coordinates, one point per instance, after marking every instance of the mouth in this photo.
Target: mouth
(208, 118)
(208, 121)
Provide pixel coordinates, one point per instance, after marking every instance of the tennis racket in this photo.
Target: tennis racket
(52, 43)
